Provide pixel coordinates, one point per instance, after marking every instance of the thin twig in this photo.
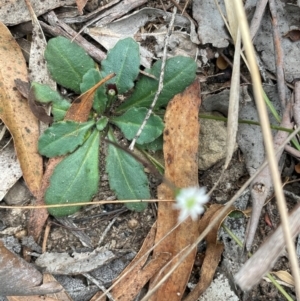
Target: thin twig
(106, 231)
(108, 294)
(257, 17)
(185, 6)
(292, 151)
(60, 28)
(161, 81)
(184, 13)
(278, 55)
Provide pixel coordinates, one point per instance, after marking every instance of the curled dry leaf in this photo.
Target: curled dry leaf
(15, 112)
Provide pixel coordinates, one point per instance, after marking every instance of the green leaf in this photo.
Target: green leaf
(67, 62)
(101, 123)
(131, 121)
(63, 137)
(90, 79)
(44, 94)
(180, 72)
(126, 176)
(75, 178)
(124, 60)
(59, 110)
(154, 146)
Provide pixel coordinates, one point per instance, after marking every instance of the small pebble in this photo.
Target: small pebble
(132, 223)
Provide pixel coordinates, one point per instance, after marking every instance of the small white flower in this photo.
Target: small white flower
(190, 202)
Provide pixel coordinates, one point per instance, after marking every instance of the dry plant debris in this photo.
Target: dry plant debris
(199, 33)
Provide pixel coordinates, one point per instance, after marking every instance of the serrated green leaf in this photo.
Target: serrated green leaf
(126, 176)
(180, 72)
(102, 123)
(44, 94)
(124, 61)
(75, 178)
(131, 121)
(63, 137)
(67, 62)
(90, 79)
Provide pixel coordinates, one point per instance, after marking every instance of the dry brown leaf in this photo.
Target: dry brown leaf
(213, 252)
(294, 35)
(80, 5)
(79, 111)
(81, 107)
(15, 112)
(285, 277)
(136, 275)
(18, 277)
(208, 269)
(181, 136)
(38, 217)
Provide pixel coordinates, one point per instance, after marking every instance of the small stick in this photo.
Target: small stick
(106, 231)
(60, 28)
(278, 55)
(160, 84)
(292, 151)
(184, 13)
(107, 294)
(257, 17)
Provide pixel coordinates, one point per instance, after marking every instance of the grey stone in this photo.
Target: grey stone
(18, 194)
(212, 143)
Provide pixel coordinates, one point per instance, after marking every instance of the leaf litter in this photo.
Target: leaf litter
(208, 68)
